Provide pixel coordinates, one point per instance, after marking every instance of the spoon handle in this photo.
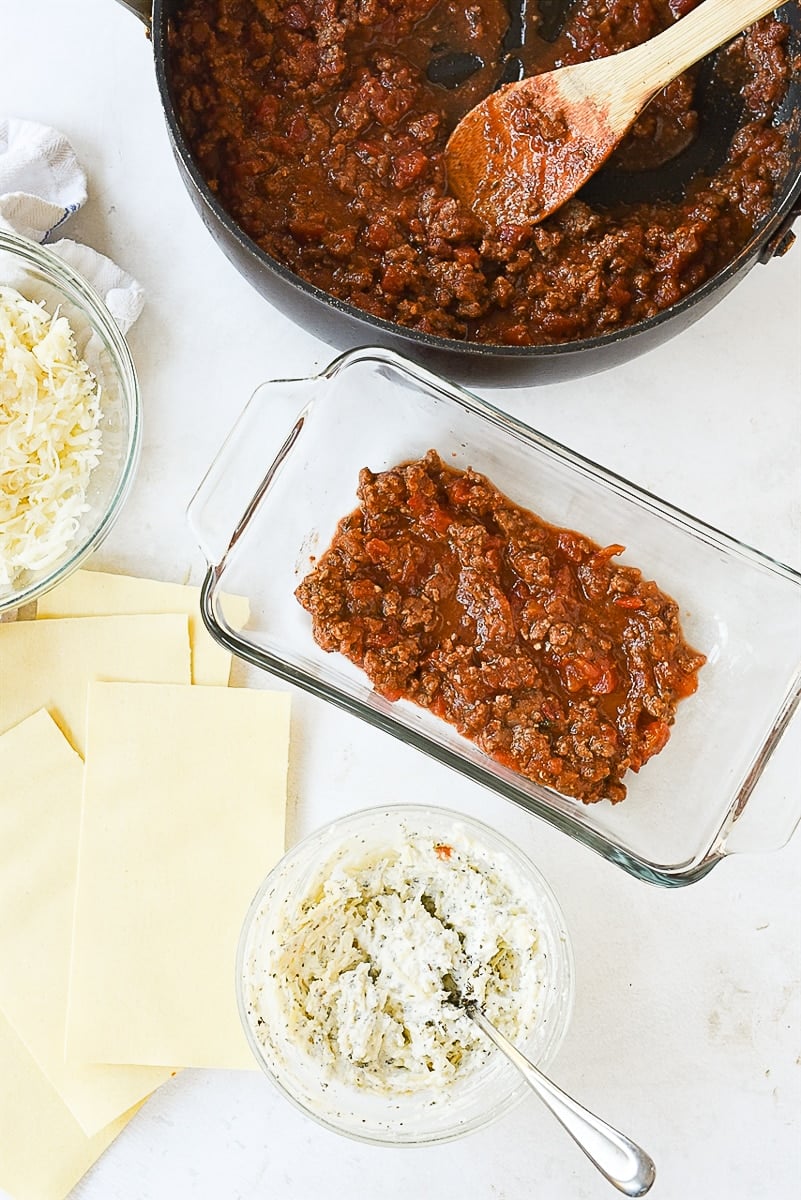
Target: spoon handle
(658, 61)
(621, 1160)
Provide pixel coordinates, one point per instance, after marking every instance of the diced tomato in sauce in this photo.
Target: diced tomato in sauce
(512, 630)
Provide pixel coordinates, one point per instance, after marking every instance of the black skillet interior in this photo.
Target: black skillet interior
(719, 107)
(344, 326)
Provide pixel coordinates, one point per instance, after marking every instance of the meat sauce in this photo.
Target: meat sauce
(321, 125)
(530, 639)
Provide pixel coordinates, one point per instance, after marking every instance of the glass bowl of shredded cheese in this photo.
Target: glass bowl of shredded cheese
(69, 420)
(342, 959)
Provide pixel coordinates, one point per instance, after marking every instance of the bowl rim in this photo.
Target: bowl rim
(488, 837)
(84, 296)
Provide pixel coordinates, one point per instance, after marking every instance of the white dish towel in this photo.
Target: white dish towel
(41, 185)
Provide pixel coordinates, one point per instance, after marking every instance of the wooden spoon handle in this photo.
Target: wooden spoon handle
(654, 64)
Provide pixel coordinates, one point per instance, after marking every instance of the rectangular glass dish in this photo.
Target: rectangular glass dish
(287, 474)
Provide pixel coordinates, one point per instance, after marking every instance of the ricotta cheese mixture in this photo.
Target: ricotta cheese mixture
(49, 436)
(352, 976)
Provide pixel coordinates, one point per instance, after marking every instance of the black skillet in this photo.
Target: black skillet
(344, 326)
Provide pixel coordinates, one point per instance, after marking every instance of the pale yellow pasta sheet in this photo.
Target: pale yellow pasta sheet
(100, 594)
(43, 1150)
(48, 664)
(40, 812)
(183, 814)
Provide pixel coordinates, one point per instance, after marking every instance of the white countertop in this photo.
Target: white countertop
(688, 1011)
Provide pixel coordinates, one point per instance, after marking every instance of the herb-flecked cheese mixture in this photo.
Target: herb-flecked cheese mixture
(353, 975)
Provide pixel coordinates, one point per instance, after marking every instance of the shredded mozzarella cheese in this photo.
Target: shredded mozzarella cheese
(49, 437)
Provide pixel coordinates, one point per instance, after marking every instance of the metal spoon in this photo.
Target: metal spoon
(617, 1157)
(521, 153)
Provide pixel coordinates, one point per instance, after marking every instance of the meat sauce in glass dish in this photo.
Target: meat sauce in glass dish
(321, 124)
(530, 639)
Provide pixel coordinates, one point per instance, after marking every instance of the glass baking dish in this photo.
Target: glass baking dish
(288, 473)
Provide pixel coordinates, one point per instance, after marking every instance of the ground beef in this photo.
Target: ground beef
(531, 640)
(318, 126)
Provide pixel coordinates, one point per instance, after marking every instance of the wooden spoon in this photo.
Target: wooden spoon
(521, 153)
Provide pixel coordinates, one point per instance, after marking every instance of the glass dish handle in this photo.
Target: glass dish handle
(248, 459)
(766, 820)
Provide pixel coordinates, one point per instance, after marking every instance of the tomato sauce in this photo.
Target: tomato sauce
(321, 126)
(530, 639)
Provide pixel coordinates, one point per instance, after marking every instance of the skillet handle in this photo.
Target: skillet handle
(780, 242)
(143, 9)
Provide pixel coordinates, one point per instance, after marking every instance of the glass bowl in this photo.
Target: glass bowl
(40, 275)
(425, 1115)
(288, 473)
